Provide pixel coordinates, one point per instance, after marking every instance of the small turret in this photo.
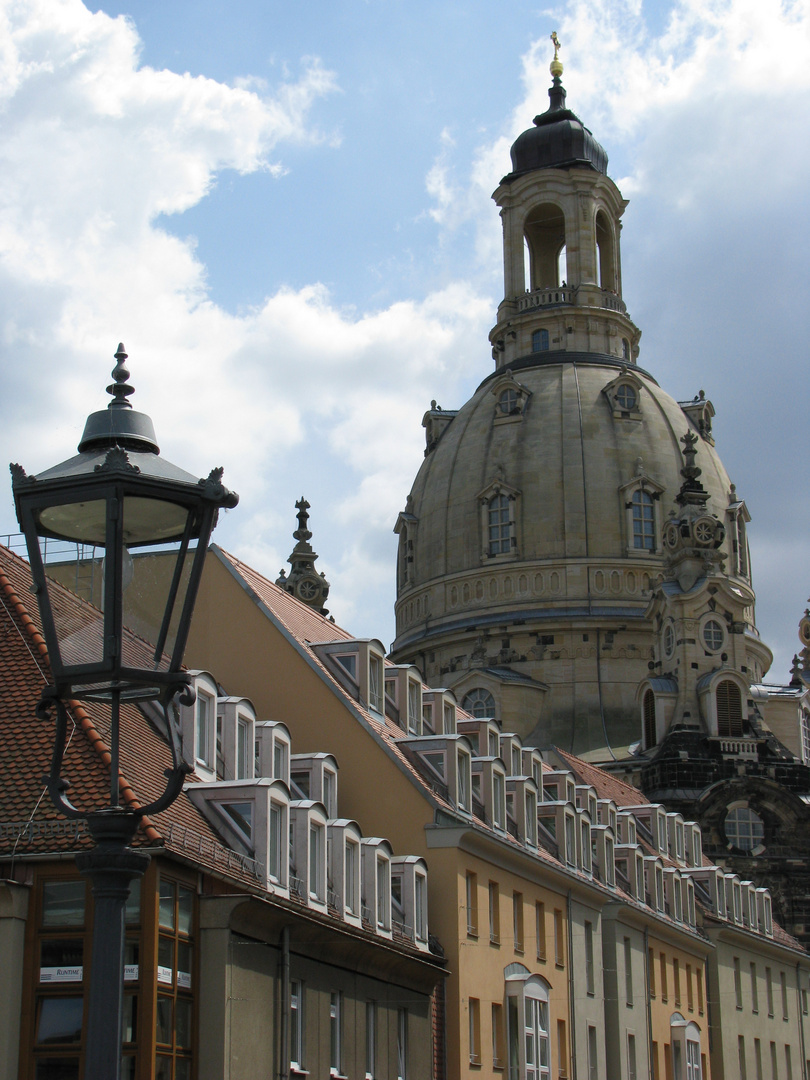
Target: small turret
(304, 582)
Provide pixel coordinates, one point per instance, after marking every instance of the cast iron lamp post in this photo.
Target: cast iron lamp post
(119, 495)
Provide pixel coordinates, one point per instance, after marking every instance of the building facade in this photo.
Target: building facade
(268, 934)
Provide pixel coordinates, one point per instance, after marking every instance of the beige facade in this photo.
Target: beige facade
(760, 991)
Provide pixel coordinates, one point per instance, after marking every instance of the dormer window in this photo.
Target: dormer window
(204, 729)
(449, 718)
(498, 801)
(624, 395)
(351, 877)
(463, 781)
(414, 706)
(317, 862)
(375, 682)
(570, 840)
(349, 662)
(511, 398)
(241, 815)
(281, 761)
(278, 844)
(383, 893)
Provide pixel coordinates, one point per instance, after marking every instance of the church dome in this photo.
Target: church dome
(558, 140)
(572, 536)
(555, 437)
(536, 524)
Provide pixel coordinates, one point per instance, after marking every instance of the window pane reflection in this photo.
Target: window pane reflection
(60, 1020)
(63, 903)
(163, 1020)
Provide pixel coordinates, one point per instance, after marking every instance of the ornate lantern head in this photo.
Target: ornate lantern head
(141, 526)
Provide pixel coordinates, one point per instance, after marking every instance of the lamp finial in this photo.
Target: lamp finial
(120, 389)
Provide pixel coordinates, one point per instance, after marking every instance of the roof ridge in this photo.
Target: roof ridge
(79, 712)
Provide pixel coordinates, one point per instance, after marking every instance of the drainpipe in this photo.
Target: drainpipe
(571, 998)
(284, 1064)
(649, 1002)
(799, 1015)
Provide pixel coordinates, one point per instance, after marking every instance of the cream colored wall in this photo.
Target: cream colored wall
(733, 1022)
(623, 1019)
(13, 916)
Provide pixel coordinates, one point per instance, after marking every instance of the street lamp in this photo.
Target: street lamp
(120, 496)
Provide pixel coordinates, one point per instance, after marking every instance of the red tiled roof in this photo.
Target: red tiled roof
(605, 784)
(26, 743)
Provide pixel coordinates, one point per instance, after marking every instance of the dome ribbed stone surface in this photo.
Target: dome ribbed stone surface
(542, 456)
(568, 459)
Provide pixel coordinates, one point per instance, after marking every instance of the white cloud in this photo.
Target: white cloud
(294, 393)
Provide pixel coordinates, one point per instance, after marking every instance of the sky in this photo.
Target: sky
(284, 213)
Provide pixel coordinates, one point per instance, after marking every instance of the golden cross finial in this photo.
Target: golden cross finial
(555, 67)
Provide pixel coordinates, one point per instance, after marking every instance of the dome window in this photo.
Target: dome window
(624, 392)
(744, 828)
(508, 401)
(511, 398)
(648, 708)
(479, 702)
(669, 640)
(499, 525)
(729, 710)
(641, 499)
(643, 521)
(499, 506)
(713, 635)
(540, 341)
(626, 397)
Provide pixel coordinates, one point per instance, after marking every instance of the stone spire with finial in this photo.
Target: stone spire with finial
(304, 581)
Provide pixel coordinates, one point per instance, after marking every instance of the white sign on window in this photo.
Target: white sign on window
(164, 975)
(184, 979)
(60, 974)
(130, 972)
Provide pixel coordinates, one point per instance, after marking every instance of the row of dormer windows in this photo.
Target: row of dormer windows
(281, 809)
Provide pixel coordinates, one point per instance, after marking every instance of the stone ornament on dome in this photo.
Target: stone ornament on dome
(692, 538)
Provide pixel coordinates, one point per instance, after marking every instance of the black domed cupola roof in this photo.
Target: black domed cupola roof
(558, 140)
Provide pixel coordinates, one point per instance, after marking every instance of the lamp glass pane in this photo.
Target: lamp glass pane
(146, 520)
(148, 578)
(74, 577)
